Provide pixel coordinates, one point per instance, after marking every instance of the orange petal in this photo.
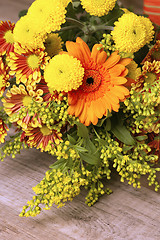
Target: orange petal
(101, 57)
(118, 80)
(72, 98)
(79, 107)
(99, 108)
(112, 60)
(74, 50)
(116, 70)
(125, 61)
(124, 73)
(122, 89)
(83, 115)
(84, 49)
(95, 52)
(119, 94)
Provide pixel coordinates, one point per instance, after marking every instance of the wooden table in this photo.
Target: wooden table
(128, 213)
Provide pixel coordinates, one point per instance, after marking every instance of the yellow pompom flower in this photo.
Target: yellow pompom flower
(64, 73)
(47, 16)
(53, 44)
(129, 33)
(149, 28)
(98, 7)
(25, 33)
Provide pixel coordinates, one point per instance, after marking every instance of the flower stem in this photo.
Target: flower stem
(75, 22)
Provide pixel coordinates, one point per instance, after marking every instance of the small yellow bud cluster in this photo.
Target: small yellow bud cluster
(67, 151)
(132, 166)
(110, 151)
(143, 105)
(12, 147)
(94, 183)
(54, 114)
(109, 46)
(57, 187)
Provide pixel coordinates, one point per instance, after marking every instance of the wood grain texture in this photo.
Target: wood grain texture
(127, 214)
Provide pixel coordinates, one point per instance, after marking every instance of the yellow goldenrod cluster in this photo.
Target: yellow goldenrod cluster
(132, 32)
(12, 147)
(143, 107)
(135, 164)
(56, 188)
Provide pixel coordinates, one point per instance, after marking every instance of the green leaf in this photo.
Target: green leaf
(59, 164)
(121, 132)
(127, 148)
(82, 130)
(92, 159)
(141, 138)
(80, 149)
(90, 146)
(71, 139)
(108, 125)
(101, 141)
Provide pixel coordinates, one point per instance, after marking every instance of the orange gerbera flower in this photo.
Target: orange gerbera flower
(42, 137)
(3, 131)
(6, 37)
(102, 88)
(17, 105)
(26, 64)
(4, 77)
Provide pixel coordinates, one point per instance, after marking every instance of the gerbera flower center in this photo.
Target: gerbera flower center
(45, 131)
(92, 80)
(33, 61)
(27, 101)
(9, 37)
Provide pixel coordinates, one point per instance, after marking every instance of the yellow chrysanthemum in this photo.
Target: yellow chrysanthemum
(64, 73)
(53, 44)
(47, 16)
(98, 7)
(129, 33)
(26, 33)
(149, 28)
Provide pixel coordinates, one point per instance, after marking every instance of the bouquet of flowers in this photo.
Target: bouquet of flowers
(80, 81)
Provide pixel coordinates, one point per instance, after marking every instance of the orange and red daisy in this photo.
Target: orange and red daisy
(27, 64)
(3, 131)
(102, 88)
(4, 77)
(17, 105)
(42, 137)
(6, 37)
